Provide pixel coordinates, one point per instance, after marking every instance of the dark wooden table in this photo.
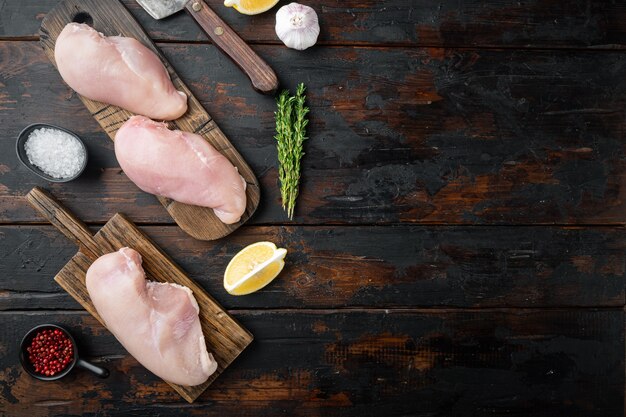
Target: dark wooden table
(459, 242)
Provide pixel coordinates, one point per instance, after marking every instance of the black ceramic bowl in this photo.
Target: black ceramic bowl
(76, 361)
(21, 152)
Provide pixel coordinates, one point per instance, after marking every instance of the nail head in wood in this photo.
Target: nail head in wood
(196, 6)
(219, 31)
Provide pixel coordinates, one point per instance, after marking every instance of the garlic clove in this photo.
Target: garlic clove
(297, 26)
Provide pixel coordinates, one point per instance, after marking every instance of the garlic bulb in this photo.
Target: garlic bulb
(297, 26)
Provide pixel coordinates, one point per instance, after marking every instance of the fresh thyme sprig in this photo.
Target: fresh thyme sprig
(291, 123)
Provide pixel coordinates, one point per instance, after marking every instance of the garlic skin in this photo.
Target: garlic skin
(297, 26)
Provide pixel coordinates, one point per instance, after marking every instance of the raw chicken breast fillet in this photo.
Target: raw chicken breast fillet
(156, 322)
(117, 70)
(181, 166)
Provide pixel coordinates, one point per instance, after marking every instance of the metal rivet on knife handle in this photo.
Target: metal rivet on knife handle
(219, 31)
(196, 6)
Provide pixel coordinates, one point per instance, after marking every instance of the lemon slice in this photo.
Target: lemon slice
(250, 6)
(253, 268)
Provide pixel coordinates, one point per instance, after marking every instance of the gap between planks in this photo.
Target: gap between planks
(348, 225)
(391, 45)
(376, 310)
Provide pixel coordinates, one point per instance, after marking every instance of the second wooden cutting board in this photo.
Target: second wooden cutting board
(224, 336)
(112, 19)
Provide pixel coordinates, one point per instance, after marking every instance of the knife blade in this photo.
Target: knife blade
(160, 9)
(260, 73)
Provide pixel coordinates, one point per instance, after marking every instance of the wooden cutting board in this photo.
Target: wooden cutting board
(224, 336)
(111, 18)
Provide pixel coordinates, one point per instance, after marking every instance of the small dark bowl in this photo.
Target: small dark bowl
(21, 152)
(76, 361)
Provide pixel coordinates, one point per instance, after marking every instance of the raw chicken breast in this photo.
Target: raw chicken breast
(117, 70)
(156, 322)
(181, 166)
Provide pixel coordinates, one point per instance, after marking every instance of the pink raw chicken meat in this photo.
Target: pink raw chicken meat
(181, 166)
(156, 322)
(117, 70)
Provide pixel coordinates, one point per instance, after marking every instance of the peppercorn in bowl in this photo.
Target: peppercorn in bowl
(48, 352)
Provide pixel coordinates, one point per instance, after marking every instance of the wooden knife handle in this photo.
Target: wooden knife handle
(262, 76)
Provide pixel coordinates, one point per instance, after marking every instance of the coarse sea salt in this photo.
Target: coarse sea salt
(55, 152)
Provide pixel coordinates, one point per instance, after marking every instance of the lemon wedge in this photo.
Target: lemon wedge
(250, 6)
(253, 268)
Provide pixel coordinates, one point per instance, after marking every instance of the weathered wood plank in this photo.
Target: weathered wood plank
(434, 23)
(483, 363)
(380, 267)
(397, 135)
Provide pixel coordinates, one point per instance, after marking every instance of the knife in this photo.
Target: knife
(261, 75)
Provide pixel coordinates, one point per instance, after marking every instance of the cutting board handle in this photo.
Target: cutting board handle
(63, 219)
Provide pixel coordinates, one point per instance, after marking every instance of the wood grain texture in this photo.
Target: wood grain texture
(111, 18)
(506, 23)
(397, 135)
(66, 222)
(365, 266)
(261, 75)
(542, 363)
(425, 274)
(225, 337)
